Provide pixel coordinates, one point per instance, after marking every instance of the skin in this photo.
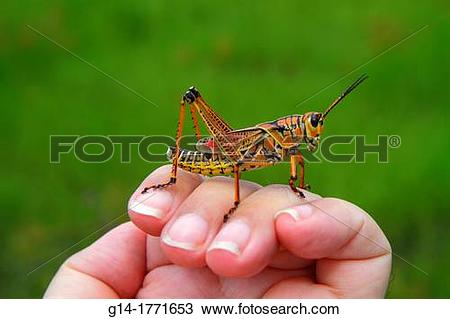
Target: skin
(294, 248)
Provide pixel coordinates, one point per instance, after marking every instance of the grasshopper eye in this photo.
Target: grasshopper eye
(314, 120)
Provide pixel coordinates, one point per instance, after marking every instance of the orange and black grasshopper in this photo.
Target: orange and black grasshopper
(228, 151)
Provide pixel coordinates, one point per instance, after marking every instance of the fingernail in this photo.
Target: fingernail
(233, 237)
(155, 204)
(298, 212)
(188, 232)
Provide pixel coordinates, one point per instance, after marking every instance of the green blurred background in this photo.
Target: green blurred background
(253, 62)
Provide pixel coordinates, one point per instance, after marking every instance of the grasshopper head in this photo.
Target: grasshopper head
(313, 128)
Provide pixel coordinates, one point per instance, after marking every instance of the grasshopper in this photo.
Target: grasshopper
(228, 151)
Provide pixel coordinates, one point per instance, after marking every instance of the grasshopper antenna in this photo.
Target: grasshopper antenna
(344, 94)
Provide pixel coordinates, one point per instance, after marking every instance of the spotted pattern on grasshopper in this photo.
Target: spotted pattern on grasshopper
(227, 151)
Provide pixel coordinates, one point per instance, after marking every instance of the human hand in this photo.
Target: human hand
(275, 245)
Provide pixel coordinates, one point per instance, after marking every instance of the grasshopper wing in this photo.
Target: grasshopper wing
(252, 143)
(233, 144)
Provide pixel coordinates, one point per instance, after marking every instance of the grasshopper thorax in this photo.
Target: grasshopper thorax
(294, 130)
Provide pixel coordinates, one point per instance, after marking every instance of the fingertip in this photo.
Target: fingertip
(184, 240)
(225, 263)
(191, 229)
(228, 262)
(148, 224)
(240, 250)
(151, 210)
(309, 231)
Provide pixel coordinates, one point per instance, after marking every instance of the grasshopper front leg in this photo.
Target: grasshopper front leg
(237, 198)
(295, 160)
